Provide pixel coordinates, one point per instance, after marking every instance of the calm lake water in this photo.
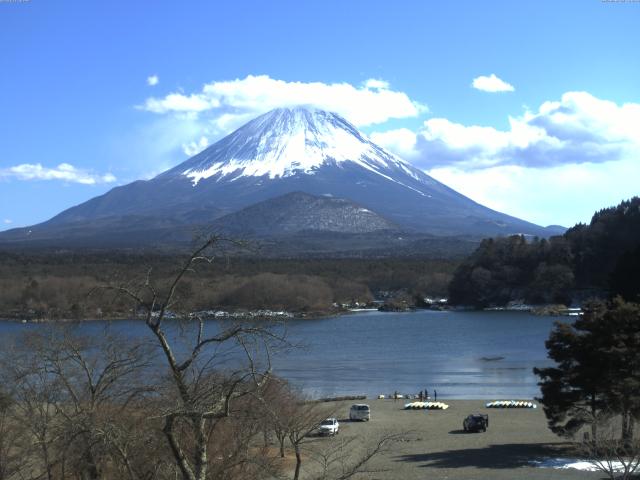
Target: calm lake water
(373, 352)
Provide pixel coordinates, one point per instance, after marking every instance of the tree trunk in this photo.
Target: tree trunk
(626, 427)
(296, 474)
(178, 454)
(594, 422)
(91, 469)
(45, 456)
(201, 464)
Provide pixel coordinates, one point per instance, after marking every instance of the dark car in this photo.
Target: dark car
(476, 422)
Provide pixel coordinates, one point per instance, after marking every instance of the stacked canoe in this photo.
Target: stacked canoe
(426, 406)
(511, 404)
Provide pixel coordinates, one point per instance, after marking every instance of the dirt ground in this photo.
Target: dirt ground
(432, 444)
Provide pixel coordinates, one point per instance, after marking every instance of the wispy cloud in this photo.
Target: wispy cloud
(153, 80)
(63, 172)
(492, 84)
(192, 148)
(376, 83)
(7, 221)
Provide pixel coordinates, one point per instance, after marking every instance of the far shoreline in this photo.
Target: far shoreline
(536, 310)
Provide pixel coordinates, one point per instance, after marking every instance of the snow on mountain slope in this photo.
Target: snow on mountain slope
(288, 141)
(283, 151)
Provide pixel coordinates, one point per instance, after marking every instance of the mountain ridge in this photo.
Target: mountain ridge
(283, 151)
(298, 212)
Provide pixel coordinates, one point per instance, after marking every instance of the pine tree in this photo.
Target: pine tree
(597, 369)
(622, 354)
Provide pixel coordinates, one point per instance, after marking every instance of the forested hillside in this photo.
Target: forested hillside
(601, 258)
(64, 284)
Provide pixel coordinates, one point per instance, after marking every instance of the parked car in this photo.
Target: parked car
(476, 422)
(360, 411)
(330, 426)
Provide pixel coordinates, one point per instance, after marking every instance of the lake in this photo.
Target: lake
(456, 353)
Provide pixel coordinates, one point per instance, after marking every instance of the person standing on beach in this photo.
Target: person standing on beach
(395, 396)
(435, 395)
(426, 394)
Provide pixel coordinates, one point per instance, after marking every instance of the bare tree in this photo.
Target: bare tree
(72, 397)
(294, 420)
(347, 457)
(96, 408)
(304, 421)
(99, 378)
(616, 457)
(36, 396)
(12, 462)
(203, 392)
(280, 405)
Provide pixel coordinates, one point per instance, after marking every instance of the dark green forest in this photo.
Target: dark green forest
(601, 259)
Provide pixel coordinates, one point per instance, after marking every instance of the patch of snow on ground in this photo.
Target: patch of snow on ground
(574, 463)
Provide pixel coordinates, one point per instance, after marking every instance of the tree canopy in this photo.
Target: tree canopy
(597, 369)
(602, 257)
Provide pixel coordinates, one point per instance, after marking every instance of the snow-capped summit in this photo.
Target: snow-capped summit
(290, 141)
(286, 150)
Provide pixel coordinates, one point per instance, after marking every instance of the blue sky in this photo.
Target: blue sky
(98, 94)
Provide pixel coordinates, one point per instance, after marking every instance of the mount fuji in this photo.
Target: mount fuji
(286, 150)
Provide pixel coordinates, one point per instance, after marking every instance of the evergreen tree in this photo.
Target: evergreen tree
(625, 277)
(621, 354)
(597, 369)
(603, 257)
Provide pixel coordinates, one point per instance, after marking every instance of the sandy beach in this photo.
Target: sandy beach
(432, 443)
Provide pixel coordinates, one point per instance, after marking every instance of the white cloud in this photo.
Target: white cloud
(220, 107)
(179, 103)
(153, 80)
(401, 141)
(563, 194)
(234, 100)
(7, 221)
(192, 148)
(558, 164)
(64, 172)
(492, 84)
(376, 83)
(579, 128)
(551, 165)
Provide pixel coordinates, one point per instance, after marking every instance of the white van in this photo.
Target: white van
(360, 411)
